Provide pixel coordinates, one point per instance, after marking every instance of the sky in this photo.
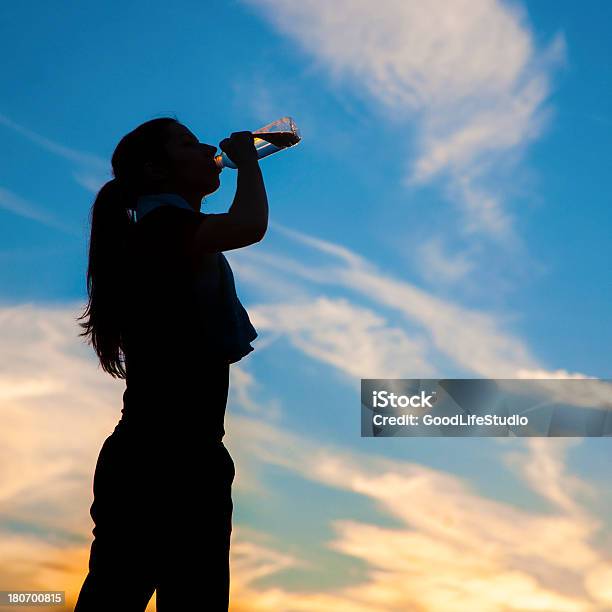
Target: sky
(446, 215)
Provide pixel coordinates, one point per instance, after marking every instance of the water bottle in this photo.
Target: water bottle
(275, 136)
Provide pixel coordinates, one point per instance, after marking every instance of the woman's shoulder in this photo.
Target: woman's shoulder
(163, 237)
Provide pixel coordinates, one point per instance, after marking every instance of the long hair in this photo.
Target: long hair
(111, 219)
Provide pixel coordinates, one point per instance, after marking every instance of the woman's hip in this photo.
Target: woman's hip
(137, 476)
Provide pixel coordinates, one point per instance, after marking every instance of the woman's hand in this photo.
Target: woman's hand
(240, 148)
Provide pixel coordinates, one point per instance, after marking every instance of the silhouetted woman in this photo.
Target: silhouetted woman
(163, 314)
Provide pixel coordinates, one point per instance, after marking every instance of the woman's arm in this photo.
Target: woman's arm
(246, 221)
(250, 205)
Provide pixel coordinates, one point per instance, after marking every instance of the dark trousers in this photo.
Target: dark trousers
(163, 519)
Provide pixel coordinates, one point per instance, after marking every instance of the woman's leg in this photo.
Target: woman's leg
(121, 574)
(195, 570)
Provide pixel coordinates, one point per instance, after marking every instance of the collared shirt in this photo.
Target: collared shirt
(231, 333)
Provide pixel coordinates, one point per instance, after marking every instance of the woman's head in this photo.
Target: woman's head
(164, 156)
(159, 156)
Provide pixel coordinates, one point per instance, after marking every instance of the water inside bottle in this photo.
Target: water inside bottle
(281, 140)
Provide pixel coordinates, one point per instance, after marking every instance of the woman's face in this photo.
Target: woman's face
(192, 166)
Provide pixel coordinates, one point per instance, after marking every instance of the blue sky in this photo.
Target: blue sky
(447, 214)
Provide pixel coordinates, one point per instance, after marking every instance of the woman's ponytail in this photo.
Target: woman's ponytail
(111, 220)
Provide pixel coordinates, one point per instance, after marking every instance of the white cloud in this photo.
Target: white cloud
(545, 472)
(559, 374)
(467, 72)
(439, 265)
(354, 340)
(585, 390)
(243, 388)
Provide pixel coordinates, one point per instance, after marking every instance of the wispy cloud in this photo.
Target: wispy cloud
(468, 73)
(546, 473)
(455, 549)
(353, 339)
(474, 340)
(24, 208)
(90, 171)
(79, 157)
(439, 265)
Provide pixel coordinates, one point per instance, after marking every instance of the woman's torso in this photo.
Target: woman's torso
(174, 377)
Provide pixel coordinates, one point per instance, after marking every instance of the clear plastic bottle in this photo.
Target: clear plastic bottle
(276, 136)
